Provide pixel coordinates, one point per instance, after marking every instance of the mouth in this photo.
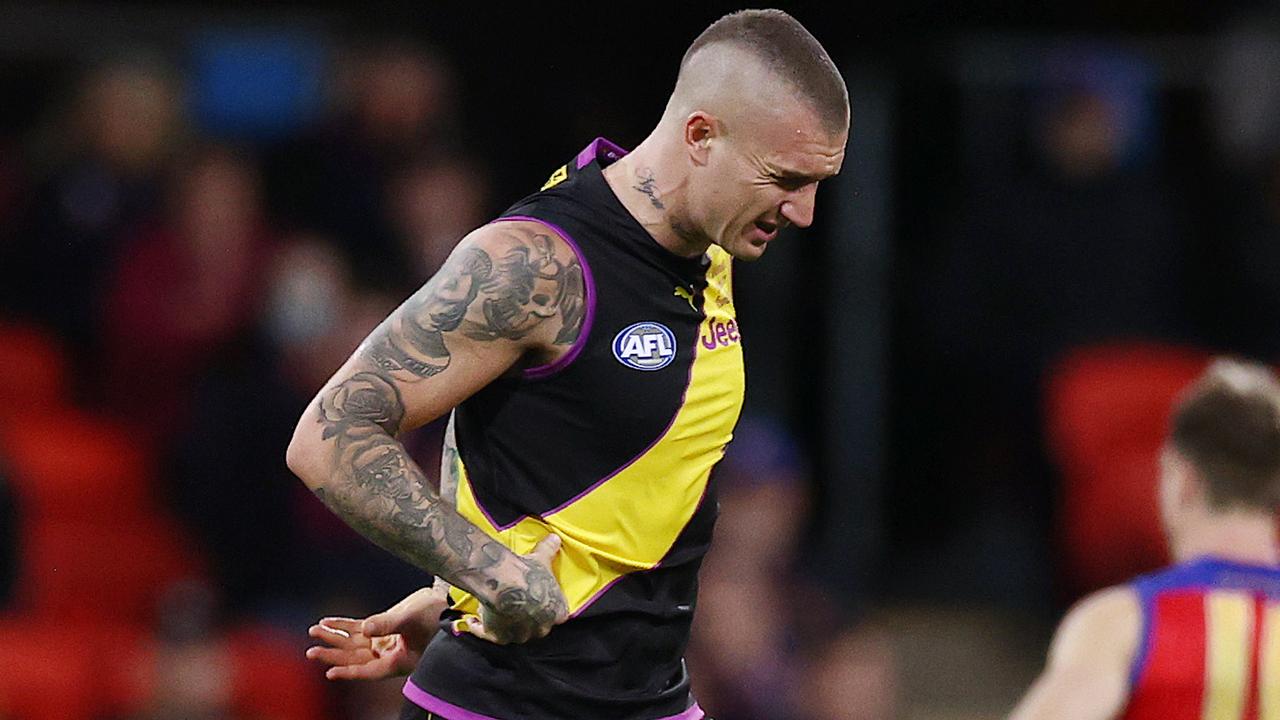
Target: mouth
(766, 230)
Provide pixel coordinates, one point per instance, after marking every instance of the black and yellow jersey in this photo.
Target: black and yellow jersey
(611, 448)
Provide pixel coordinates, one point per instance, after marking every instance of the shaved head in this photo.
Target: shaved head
(759, 59)
(759, 116)
(732, 84)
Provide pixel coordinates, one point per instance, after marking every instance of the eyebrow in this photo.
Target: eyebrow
(798, 177)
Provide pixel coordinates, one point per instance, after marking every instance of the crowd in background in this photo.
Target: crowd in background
(201, 287)
(201, 269)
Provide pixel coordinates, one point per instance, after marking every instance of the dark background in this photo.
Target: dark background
(1031, 191)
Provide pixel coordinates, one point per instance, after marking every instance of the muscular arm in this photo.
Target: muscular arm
(508, 292)
(1087, 677)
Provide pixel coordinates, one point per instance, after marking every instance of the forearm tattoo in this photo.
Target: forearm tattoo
(377, 488)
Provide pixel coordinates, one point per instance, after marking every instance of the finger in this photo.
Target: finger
(546, 549)
(373, 670)
(350, 626)
(336, 638)
(342, 623)
(415, 616)
(334, 656)
(383, 623)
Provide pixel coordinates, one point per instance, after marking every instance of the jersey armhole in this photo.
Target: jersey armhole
(542, 372)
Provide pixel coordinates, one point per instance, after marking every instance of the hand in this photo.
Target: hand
(528, 609)
(383, 645)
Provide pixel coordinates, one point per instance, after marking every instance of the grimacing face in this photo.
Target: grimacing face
(764, 178)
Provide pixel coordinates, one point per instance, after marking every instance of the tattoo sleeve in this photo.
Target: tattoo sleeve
(484, 298)
(504, 292)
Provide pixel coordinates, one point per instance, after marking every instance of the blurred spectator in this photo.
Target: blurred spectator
(192, 669)
(432, 207)
(196, 667)
(851, 675)
(761, 626)
(404, 96)
(396, 103)
(1081, 243)
(185, 286)
(1087, 205)
(285, 551)
(108, 160)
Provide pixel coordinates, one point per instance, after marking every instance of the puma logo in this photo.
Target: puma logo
(688, 296)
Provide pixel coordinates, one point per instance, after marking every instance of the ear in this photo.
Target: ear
(700, 128)
(1192, 491)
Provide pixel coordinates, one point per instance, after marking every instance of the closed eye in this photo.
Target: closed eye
(791, 183)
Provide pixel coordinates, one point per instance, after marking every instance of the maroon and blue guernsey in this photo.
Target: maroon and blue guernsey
(1210, 646)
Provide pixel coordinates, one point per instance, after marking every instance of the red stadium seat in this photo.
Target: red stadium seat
(33, 372)
(1107, 410)
(271, 678)
(68, 464)
(44, 672)
(124, 655)
(56, 670)
(102, 571)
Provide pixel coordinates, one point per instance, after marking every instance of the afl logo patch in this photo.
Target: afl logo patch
(645, 346)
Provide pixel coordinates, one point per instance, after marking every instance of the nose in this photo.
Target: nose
(798, 207)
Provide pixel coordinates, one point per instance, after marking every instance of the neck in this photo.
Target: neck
(1240, 536)
(651, 188)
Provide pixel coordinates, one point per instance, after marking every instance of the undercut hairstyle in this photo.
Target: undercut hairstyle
(1227, 425)
(790, 52)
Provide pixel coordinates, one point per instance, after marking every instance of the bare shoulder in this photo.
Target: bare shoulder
(528, 277)
(506, 234)
(507, 288)
(1087, 677)
(1107, 622)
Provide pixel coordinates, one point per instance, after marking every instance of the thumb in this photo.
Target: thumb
(383, 623)
(546, 549)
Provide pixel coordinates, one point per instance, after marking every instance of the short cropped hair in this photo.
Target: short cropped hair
(1227, 424)
(789, 51)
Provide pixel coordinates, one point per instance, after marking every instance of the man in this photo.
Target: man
(587, 346)
(1201, 639)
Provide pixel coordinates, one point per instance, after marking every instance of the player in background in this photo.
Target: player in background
(1201, 639)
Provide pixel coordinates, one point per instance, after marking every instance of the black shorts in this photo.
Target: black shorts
(410, 711)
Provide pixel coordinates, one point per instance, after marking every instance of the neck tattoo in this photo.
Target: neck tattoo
(648, 186)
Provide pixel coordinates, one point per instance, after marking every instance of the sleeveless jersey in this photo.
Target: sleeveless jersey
(1210, 645)
(611, 448)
